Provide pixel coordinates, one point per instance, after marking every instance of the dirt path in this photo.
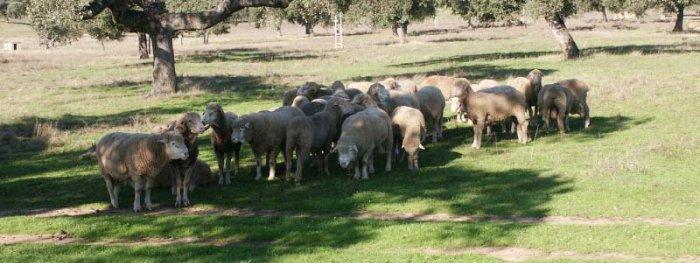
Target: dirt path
(554, 220)
(509, 254)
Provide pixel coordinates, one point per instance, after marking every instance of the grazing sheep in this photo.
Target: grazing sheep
(265, 132)
(492, 105)
(530, 87)
(201, 176)
(362, 134)
(314, 134)
(337, 85)
(313, 90)
(579, 90)
(189, 125)
(432, 106)
(309, 107)
(139, 158)
(409, 129)
(555, 102)
(224, 149)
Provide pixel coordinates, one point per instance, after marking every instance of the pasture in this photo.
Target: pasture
(625, 189)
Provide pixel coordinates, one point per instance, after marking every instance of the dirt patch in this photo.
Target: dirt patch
(519, 254)
(420, 217)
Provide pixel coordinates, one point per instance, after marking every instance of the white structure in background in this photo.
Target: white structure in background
(338, 31)
(10, 46)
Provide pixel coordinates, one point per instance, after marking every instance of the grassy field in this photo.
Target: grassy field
(626, 189)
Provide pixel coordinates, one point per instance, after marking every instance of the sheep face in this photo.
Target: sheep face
(309, 90)
(211, 114)
(175, 146)
(241, 131)
(378, 92)
(412, 155)
(347, 155)
(194, 123)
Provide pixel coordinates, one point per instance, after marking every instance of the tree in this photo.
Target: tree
(638, 7)
(16, 9)
(594, 5)
(268, 17)
(103, 28)
(309, 13)
(555, 12)
(143, 46)
(396, 14)
(677, 7)
(156, 18)
(487, 11)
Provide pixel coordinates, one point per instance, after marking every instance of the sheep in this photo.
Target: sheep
(579, 91)
(454, 101)
(432, 106)
(530, 87)
(265, 132)
(404, 85)
(409, 129)
(492, 105)
(139, 158)
(361, 135)
(189, 125)
(388, 100)
(444, 83)
(289, 96)
(201, 176)
(555, 101)
(362, 86)
(337, 85)
(314, 134)
(224, 149)
(309, 107)
(313, 90)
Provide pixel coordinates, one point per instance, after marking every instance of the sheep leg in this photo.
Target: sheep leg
(325, 161)
(110, 190)
(258, 167)
(439, 125)
(237, 160)
(227, 160)
(436, 131)
(366, 161)
(186, 183)
(561, 115)
(522, 131)
(220, 161)
(370, 162)
(271, 159)
(288, 163)
(137, 182)
(546, 114)
(149, 185)
(357, 171)
(178, 186)
(478, 130)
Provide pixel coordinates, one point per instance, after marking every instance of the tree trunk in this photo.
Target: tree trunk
(561, 33)
(143, 46)
(403, 32)
(678, 27)
(309, 29)
(605, 14)
(206, 37)
(164, 77)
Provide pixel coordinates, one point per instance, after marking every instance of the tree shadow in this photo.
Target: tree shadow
(473, 72)
(428, 32)
(244, 87)
(465, 39)
(600, 127)
(244, 55)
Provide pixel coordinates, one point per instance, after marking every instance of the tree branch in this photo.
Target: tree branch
(207, 19)
(93, 9)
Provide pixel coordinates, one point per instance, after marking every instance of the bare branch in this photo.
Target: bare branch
(207, 19)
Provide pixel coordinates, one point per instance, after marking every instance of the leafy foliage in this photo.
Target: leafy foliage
(55, 21)
(15, 9)
(384, 13)
(103, 28)
(486, 10)
(550, 9)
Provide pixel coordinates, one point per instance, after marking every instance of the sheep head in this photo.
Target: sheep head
(174, 145)
(347, 155)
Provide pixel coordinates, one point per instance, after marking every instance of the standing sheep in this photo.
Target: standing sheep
(224, 149)
(189, 125)
(362, 134)
(265, 132)
(409, 129)
(201, 176)
(309, 107)
(388, 100)
(492, 105)
(530, 87)
(313, 90)
(314, 134)
(404, 85)
(555, 101)
(139, 158)
(432, 106)
(579, 91)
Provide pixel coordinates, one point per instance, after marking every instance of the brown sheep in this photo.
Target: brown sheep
(289, 96)
(492, 105)
(432, 106)
(404, 85)
(224, 149)
(388, 100)
(409, 129)
(530, 87)
(579, 90)
(138, 158)
(362, 134)
(189, 125)
(201, 176)
(314, 134)
(337, 85)
(313, 90)
(309, 107)
(265, 132)
(555, 101)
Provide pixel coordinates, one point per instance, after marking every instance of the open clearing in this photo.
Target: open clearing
(626, 189)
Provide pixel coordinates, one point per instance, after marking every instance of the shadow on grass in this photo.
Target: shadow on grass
(243, 87)
(472, 72)
(615, 50)
(600, 127)
(244, 55)
(465, 39)
(427, 32)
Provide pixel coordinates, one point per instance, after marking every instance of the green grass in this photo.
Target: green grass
(638, 160)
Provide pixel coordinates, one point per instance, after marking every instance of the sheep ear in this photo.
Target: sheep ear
(421, 146)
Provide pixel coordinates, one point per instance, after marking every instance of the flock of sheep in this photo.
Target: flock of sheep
(391, 117)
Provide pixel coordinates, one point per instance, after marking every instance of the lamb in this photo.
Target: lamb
(362, 134)
(432, 106)
(201, 176)
(265, 132)
(492, 105)
(314, 134)
(555, 101)
(530, 87)
(222, 126)
(579, 91)
(189, 125)
(139, 158)
(309, 107)
(409, 129)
